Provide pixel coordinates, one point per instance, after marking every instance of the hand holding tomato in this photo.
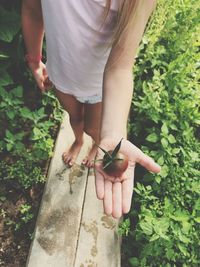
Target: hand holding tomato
(116, 191)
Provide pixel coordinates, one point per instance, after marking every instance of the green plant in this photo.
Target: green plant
(25, 216)
(124, 227)
(164, 122)
(23, 173)
(29, 122)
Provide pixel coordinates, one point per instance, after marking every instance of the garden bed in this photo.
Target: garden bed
(29, 123)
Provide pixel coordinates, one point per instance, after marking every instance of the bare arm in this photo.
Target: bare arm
(118, 78)
(32, 26)
(33, 33)
(116, 192)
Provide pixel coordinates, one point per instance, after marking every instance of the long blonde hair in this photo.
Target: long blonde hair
(125, 16)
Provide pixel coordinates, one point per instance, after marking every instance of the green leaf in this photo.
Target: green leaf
(197, 219)
(180, 216)
(194, 155)
(154, 237)
(18, 91)
(164, 129)
(183, 238)
(153, 138)
(161, 160)
(11, 114)
(37, 134)
(9, 24)
(3, 56)
(5, 79)
(197, 204)
(171, 139)
(105, 152)
(175, 150)
(146, 227)
(9, 135)
(158, 179)
(197, 121)
(9, 146)
(183, 249)
(164, 142)
(186, 227)
(164, 171)
(26, 113)
(168, 206)
(41, 112)
(173, 127)
(117, 148)
(107, 164)
(134, 262)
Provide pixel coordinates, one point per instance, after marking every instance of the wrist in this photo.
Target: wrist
(33, 66)
(33, 62)
(33, 59)
(117, 135)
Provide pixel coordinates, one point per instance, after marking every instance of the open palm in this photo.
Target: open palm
(116, 192)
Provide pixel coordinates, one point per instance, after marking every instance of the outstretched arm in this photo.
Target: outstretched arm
(118, 77)
(117, 95)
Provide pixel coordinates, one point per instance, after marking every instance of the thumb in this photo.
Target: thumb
(148, 163)
(40, 84)
(44, 71)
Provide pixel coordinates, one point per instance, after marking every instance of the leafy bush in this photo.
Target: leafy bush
(165, 123)
(23, 172)
(28, 119)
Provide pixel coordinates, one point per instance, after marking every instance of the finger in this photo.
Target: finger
(40, 84)
(42, 87)
(44, 70)
(127, 192)
(99, 183)
(107, 201)
(47, 83)
(148, 162)
(117, 200)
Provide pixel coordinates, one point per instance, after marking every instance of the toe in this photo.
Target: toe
(71, 161)
(67, 159)
(88, 164)
(84, 161)
(64, 156)
(91, 164)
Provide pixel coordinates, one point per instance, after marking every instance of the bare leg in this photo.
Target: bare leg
(75, 110)
(92, 120)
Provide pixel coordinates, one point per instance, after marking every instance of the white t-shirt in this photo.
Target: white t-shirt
(77, 50)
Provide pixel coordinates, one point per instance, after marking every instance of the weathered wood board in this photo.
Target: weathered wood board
(71, 229)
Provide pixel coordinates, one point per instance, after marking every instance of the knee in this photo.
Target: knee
(75, 119)
(91, 132)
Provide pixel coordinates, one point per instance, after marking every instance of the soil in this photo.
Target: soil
(15, 244)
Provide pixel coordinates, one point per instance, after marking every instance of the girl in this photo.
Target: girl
(91, 45)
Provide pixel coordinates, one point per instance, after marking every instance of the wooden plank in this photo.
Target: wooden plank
(58, 222)
(98, 244)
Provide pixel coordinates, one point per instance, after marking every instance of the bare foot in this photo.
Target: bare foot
(70, 155)
(88, 160)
